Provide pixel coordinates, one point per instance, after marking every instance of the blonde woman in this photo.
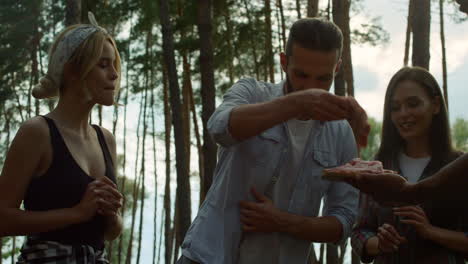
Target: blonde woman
(59, 165)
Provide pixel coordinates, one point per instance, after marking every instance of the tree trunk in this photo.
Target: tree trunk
(124, 162)
(347, 61)
(280, 39)
(283, 24)
(322, 253)
(143, 157)
(421, 25)
(135, 188)
(268, 43)
(167, 193)
(444, 56)
(312, 255)
(161, 233)
(155, 226)
(332, 252)
(342, 252)
(298, 9)
(229, 39)
(408, 32)
(338, 17)
(100, 114)
(186, 83)
(252, 42)
(208, 90)
(73, 12)
(312, 8)
(199, 144)
(176, 228)
(13, 250)
(183, 185)
(35, 46)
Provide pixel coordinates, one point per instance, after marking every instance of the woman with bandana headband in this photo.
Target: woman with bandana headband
(61, 167)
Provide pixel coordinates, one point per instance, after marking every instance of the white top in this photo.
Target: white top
(265, 247)
(412, 168)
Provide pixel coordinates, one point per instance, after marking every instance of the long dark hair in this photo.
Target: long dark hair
(439, 140)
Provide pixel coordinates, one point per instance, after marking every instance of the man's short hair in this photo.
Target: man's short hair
(315, 34)
(463, 5)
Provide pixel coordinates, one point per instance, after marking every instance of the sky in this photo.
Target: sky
(373, 67)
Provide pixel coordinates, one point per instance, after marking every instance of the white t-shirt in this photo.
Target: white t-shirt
(412, 168)
(249, 253)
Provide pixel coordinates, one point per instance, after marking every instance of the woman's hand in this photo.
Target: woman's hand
(416, 217)
(389, 240)
(110, 199)
(89, 204)
(387, 188)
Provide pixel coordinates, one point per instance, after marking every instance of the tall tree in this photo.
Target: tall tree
(346, 56)
(73, 12)
(421, 26)
(167, 189)
(283, 24)
(298, 8)
(408, 32)
(208, 90)
(338, 11)
(268, 43)
(312, 8)
(143, 149)
(444, 56)
(252, 42)
(136, 185)
(183, 184)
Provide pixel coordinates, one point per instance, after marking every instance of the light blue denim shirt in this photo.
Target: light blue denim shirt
(214, 236)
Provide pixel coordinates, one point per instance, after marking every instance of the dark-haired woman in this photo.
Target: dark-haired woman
(415, 142)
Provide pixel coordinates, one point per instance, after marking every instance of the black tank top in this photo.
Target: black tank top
(62, 186)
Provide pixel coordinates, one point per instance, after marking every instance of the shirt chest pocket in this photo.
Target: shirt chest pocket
(263, 149)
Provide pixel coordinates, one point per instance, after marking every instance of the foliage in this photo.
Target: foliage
(460, 134)
(373, 142)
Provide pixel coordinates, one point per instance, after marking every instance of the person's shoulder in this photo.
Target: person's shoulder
(35, 128)
(254, 85)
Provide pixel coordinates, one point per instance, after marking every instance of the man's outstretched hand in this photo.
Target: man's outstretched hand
(385, 188)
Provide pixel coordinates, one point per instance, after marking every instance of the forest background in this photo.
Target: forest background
(180, 56)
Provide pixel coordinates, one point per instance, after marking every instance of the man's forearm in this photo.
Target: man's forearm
(252, 119)
(326, 229)
(450, 239)
(448, 183)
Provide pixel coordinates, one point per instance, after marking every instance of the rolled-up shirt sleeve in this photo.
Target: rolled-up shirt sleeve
(242, 92)
(365, 228)
(341, 200)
